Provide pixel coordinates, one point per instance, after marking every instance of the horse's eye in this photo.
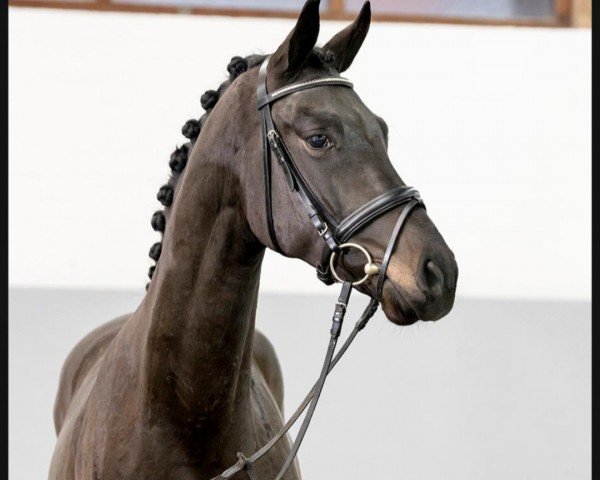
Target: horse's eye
(318, 141)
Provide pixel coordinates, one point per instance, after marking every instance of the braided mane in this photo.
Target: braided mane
(191, 129)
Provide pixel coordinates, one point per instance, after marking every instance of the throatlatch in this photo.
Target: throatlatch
(336, 236)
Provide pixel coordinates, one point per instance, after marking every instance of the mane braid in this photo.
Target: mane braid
(191, 130)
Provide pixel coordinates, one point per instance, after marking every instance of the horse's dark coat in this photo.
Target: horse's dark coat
(176, 388)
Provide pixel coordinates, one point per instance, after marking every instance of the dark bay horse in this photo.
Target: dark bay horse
(175, 389)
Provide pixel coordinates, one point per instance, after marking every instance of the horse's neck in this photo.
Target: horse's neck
(202, 301)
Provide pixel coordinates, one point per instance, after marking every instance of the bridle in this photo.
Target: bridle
(337, 236)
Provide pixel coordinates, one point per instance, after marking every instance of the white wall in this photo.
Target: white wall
(491, 124)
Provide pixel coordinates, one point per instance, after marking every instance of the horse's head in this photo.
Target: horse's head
(340, 148)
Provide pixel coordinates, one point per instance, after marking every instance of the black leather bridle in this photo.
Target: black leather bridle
(336, 236)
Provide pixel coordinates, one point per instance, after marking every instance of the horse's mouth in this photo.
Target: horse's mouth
(395, 306)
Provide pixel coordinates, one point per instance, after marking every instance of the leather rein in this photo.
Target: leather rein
(336, 236)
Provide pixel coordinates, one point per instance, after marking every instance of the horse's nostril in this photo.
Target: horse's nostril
(432, 280)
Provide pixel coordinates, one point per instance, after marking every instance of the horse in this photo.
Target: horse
(175, 389)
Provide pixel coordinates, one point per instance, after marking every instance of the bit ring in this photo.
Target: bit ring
(370, 267)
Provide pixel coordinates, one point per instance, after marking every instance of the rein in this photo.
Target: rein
(336, 236)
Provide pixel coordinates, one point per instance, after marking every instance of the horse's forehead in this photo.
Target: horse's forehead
(333, 102)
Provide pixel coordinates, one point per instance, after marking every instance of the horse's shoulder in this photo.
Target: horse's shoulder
(268, 363)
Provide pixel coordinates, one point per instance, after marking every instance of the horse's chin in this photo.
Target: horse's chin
(397, 309)
(403, 309)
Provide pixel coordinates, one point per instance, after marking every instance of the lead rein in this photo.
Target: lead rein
(246, 463)
(336, 328)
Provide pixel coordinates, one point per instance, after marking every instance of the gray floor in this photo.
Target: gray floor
(496, 390)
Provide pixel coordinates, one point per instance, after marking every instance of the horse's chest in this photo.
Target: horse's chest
(112, 449)
(267, 422)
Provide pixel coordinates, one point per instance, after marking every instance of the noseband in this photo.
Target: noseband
(337, 236)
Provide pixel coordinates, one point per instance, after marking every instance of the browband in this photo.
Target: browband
(296, 87)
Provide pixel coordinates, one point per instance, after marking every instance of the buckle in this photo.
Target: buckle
(324, 230)
(272, 135)
(340, 309)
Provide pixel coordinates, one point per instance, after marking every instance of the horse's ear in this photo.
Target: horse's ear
(345, 44)
(292, 53)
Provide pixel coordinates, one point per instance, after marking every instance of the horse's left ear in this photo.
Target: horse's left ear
(345, 44)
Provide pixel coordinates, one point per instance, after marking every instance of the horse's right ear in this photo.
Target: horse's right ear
(292, 53)
(345, 45)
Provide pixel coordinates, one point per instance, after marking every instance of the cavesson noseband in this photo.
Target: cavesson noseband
(337, 236)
